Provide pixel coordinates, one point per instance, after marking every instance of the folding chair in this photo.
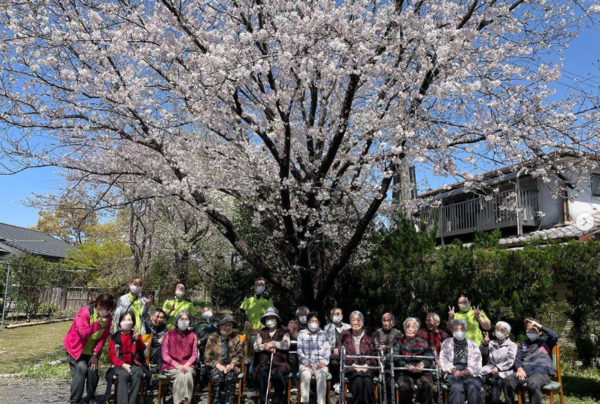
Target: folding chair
(553, 386)
(394, 385)
(377, 381)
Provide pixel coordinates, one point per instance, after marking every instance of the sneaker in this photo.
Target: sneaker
(336, 388)
(294, 390)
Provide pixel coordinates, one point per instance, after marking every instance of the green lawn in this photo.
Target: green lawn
(26, 347)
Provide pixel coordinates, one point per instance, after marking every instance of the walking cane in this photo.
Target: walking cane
(269, 379)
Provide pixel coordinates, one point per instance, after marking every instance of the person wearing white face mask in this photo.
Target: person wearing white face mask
(203, 329)
(474, 317)
(294, 327)
(177, 303)
(224, 356)
(84, 343)
(125, 353)
(254, 305)
(501, 354)
(136, 303)
(334, 330)
(460, 361)
(533, 362)
(313, 353)
(272, 345)
(179, 355)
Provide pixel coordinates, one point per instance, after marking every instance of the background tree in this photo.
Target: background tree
(305, 109)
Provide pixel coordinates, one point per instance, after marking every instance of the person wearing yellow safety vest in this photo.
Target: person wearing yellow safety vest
(177, 303)
(254, 306)
(135, 303)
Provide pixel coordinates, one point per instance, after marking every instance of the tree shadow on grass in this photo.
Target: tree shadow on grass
(582, 387)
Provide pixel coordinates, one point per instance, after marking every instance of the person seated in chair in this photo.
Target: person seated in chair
(271, 353)
(224, 355)
(203, 329)
(334, 331)
(533, 363)
(359, 341)
(157, 327)
(501, 354)
(179, 358)
(313, 353)
(387, 334)
(460, 361)
(412, 345)
(125, 352)
(432, 333)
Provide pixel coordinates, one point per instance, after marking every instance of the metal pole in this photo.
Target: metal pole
(5, 295)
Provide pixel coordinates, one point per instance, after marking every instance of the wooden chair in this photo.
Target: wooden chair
(147, 338)
(555, 386)
(240, 383)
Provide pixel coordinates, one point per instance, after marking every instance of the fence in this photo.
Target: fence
(30, 290)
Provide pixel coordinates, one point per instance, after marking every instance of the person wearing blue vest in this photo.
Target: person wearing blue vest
(533, 363)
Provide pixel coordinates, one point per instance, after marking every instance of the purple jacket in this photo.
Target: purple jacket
(81, 330)
(367, 347)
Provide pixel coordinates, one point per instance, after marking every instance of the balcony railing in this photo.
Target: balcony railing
(485, 213)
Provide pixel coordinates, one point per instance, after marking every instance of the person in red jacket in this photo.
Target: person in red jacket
(123, 353)
(84, 343)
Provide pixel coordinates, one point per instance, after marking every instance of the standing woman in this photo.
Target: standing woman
(359, 341)
(125, 353)
(135, 303)
(84, 343)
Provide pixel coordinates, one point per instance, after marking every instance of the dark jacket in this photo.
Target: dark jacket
(415, 347)
(535, 357)
(202, 330)
(367, 347)
(281, 359)
(157, 332)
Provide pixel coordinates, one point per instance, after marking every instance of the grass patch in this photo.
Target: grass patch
(581, 386)
(46, 371)
(27, 346)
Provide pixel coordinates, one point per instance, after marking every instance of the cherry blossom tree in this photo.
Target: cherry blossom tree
(301, 111)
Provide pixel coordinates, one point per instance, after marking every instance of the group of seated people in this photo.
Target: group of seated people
(217, 347)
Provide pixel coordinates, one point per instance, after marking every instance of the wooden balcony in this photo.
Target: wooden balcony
(485, 213)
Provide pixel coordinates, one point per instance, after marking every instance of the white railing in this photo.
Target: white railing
(484, 212)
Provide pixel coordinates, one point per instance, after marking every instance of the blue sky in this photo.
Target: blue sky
(582, 59)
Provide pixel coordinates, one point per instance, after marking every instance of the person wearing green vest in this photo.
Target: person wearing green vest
(177, 303)
(254, 306)
(135, 303)
(475, 318)
(84, 343)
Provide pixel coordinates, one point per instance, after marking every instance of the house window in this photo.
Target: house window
(596, 184)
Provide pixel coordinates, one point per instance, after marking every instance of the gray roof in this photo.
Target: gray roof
(32, 242)
(567, 231)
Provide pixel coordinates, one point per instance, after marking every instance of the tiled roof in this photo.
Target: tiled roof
(568, 231)
(32, 242)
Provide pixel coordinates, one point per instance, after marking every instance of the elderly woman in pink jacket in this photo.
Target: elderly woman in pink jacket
(84, 343)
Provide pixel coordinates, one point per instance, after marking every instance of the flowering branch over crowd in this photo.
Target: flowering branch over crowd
(301, 111)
